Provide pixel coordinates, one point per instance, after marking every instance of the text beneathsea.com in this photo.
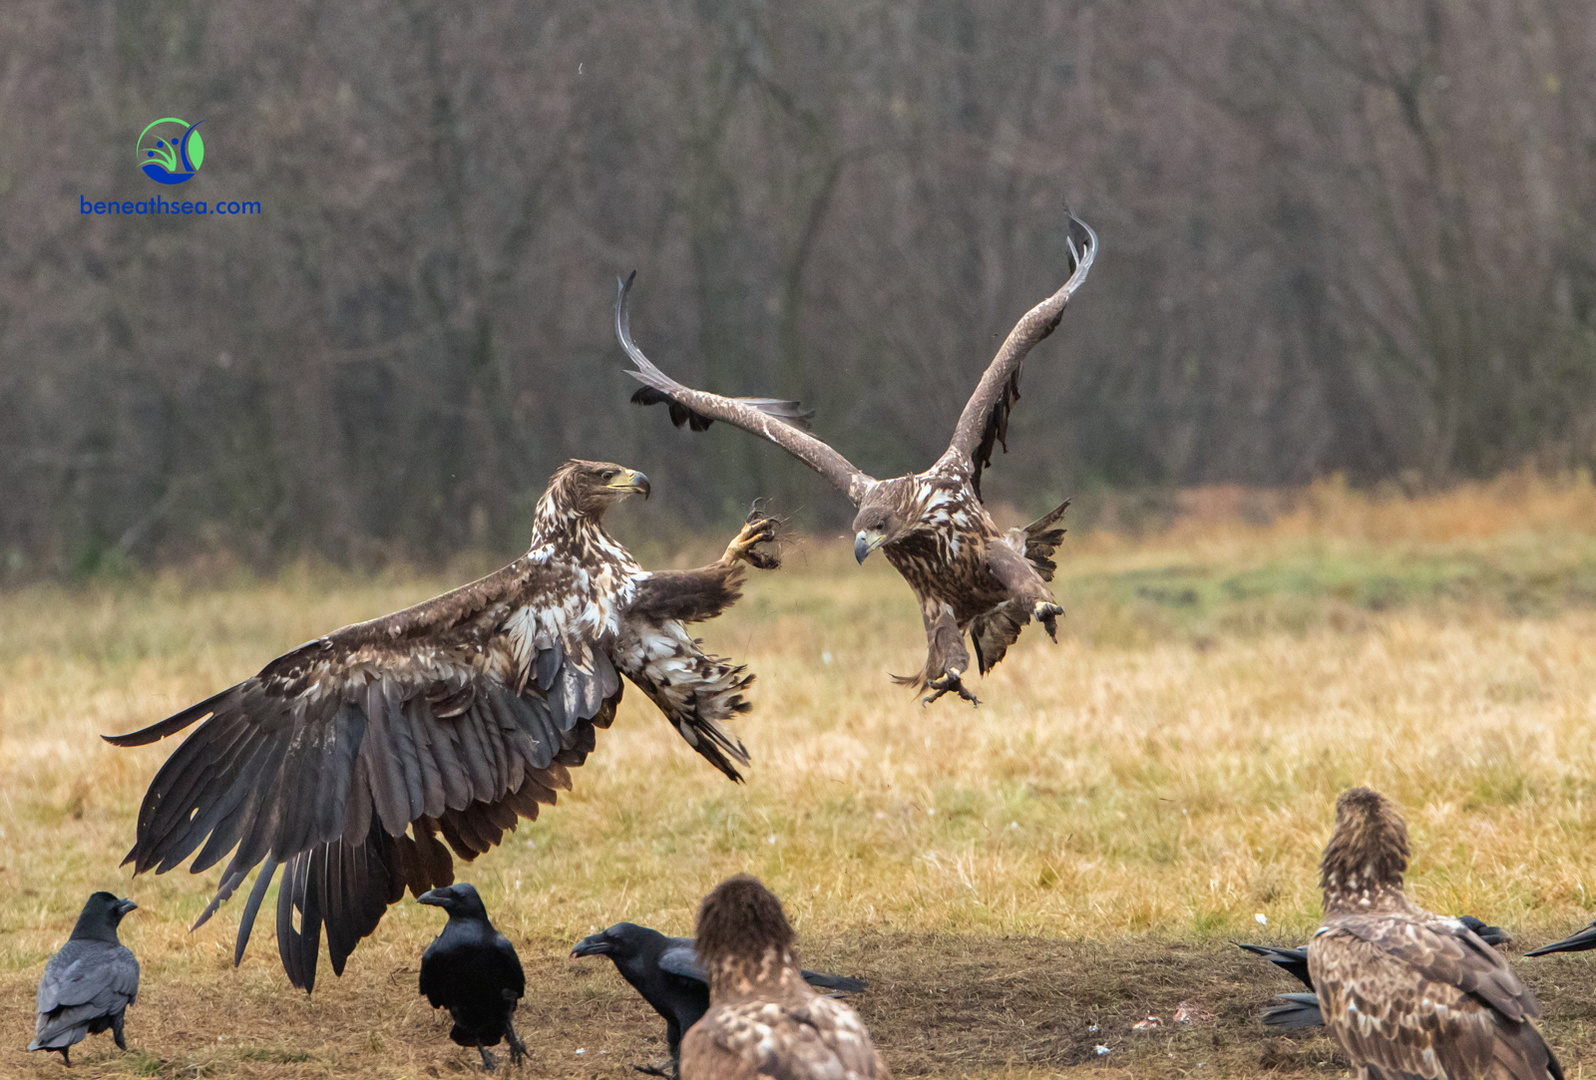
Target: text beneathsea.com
(159, 205)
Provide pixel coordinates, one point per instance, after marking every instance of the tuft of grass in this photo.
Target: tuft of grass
(1078, 850)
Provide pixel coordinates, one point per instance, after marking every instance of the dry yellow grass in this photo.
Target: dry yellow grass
(1076, 851)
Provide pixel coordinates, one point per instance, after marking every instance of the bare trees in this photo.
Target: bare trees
(1337, 235)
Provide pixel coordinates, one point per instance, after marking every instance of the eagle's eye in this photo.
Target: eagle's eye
(607, 475)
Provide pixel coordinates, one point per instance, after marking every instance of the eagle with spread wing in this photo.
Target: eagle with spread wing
(1408, 994)
(353, 760)
(969, 576)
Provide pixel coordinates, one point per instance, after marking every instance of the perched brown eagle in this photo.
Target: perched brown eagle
(1411, 995)
(969, 576)
(764, 1019)
(345, 760)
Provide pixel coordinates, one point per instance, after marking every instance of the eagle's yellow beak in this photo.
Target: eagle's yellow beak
(865, 542)
(630, 480)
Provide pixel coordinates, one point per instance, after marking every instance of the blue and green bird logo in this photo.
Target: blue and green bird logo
(177, 151)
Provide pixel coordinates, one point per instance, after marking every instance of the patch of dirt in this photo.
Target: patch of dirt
(937, 1004)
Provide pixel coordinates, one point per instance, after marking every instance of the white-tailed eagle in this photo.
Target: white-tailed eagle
(969, 576)
(346, 760)
(764, 1020)
(1411, 995)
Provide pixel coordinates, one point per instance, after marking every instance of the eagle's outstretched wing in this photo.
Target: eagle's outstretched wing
(346, 759)
(984, 422)
(1426, 998)
(776, 421)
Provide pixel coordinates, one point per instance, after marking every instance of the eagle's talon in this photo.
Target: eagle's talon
(1047, 614)
(756, 530)
(950, 682)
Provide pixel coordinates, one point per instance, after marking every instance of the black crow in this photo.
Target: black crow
(1580, 942)
(472, 970)
(665, 970)
(89, 984)
(764, 1020)
(1302, 1010)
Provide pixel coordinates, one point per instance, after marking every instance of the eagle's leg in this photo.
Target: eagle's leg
(757, 529)
(1024, 584)
(946, 657)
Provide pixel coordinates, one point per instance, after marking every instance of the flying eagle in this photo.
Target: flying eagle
(344, 761)
(1411, 995)
(969, 576)
(763, 1019)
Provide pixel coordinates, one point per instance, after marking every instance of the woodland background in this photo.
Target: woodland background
(1338, 236)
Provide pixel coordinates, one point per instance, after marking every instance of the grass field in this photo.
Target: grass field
(1019, 883)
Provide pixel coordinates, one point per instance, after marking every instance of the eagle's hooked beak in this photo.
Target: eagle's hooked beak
(630, 480)
(867, 541)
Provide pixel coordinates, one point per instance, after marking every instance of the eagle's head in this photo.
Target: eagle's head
(1368, 853)
(588, 488)
(886, 514)
(742, 929)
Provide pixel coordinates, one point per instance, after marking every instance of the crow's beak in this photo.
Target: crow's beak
(630, 480)
(125, 906)
(866, 542)
(591, 946)
(432, 898)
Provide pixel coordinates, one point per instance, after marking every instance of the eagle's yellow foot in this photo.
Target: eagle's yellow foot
(1047, 614)
(757, 529)
(949, 682)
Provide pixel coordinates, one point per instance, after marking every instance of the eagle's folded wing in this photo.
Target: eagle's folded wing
(821, 1039)
(984, 422)
(1417, 999)
(776, 421)
(345, 760)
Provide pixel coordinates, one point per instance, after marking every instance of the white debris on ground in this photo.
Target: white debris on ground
(1147, 1025)
(1101, 1049)
(1263, 920)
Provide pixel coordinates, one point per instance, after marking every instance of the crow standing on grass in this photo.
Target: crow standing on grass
(666, 971)
(472, 970)
(1410, 995)
(1302, 1010)
(89, 984)
(764, 1020)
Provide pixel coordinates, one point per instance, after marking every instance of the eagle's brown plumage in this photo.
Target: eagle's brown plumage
(969, 576)
(1411, 995)
(763, 1019)
(353, 760)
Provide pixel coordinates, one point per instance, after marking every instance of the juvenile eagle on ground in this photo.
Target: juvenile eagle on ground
(666, 971)
(1408, 994)
(763, 1019)
(344, 761)
(969, 576)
